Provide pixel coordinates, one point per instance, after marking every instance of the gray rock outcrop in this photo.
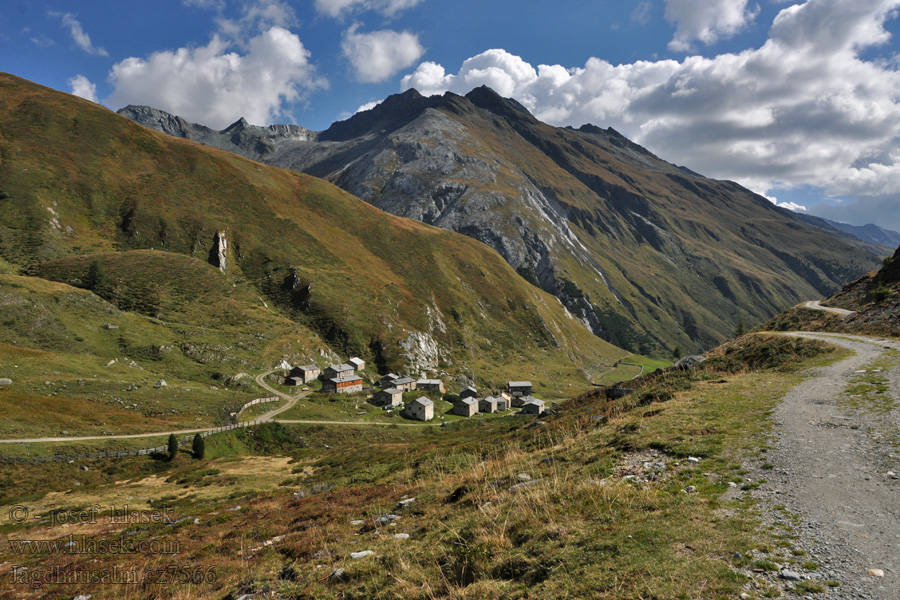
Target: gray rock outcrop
(218, 255)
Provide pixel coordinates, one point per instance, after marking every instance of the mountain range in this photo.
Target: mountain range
(309, 271)
(649, 255)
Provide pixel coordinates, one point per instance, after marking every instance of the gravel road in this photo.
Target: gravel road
(835, 467)
(815, 305)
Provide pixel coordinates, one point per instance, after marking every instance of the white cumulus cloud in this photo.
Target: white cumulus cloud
(257, 16)
(806, 108)
(214, 86)
(339, 8)
(83, 88)
(81, 38)
(378, 55)
(367, 106)
(792, 206)
(788, 205)
(706, 20)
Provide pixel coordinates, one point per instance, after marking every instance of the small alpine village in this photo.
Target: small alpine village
(417, 399)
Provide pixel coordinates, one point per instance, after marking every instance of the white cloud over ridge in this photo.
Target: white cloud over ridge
(706, 20)
(80, 37)
(378, 55)
(803, 109)
(340, 8)
(83, 88)
(788, 205)
(215, 86)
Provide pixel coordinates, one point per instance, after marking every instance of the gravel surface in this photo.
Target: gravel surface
(830, 479)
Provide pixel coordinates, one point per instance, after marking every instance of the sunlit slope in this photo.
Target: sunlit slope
(78, 180)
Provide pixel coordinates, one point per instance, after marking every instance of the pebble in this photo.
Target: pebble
(407, 501)
(693, 460)
(386, 519)
(357, 522)
(690, 489)
(875, 572)
(338, 575)
(401, 536)
(5, 381)
(362, 554)
(524, 477)
(790, 575)
(525, 484)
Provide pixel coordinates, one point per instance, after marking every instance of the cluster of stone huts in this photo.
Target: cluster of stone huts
(517, 395)
(346, 378)
(336, 379)
(391, 395)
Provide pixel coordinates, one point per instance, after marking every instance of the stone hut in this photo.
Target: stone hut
(349, 384)
(339, 371)
(519, 401)
(487, 405)
(431, 385)
(407, 384)
(466, 407)
(420, 409)
(468, 392)
(386, 380)
(533, 407)
(388, 397)
(303, 375)
(519, 388)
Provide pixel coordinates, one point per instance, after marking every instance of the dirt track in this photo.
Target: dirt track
(832, 467)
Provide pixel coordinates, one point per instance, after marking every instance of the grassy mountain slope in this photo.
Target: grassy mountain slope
(82, 184)
(649, 255)
(81, 365)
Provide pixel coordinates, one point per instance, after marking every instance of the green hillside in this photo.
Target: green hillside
(81, 185)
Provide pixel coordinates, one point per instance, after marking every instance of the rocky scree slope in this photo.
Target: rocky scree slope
(81, 184)
(648, 255)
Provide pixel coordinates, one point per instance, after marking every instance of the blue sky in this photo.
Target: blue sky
(798, 100)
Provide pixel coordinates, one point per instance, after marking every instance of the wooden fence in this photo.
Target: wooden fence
(15, 460)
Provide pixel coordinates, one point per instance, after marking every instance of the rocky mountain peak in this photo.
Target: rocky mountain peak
(387, 115)
(239, 125)
(486, 98)
(163, 121)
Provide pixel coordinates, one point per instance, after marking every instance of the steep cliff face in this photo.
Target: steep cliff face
(647, 254)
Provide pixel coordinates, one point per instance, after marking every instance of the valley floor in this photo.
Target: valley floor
(730, 480)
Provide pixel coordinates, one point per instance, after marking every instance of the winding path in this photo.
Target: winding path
(833, 468)
(292, 400)
(815, 305)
